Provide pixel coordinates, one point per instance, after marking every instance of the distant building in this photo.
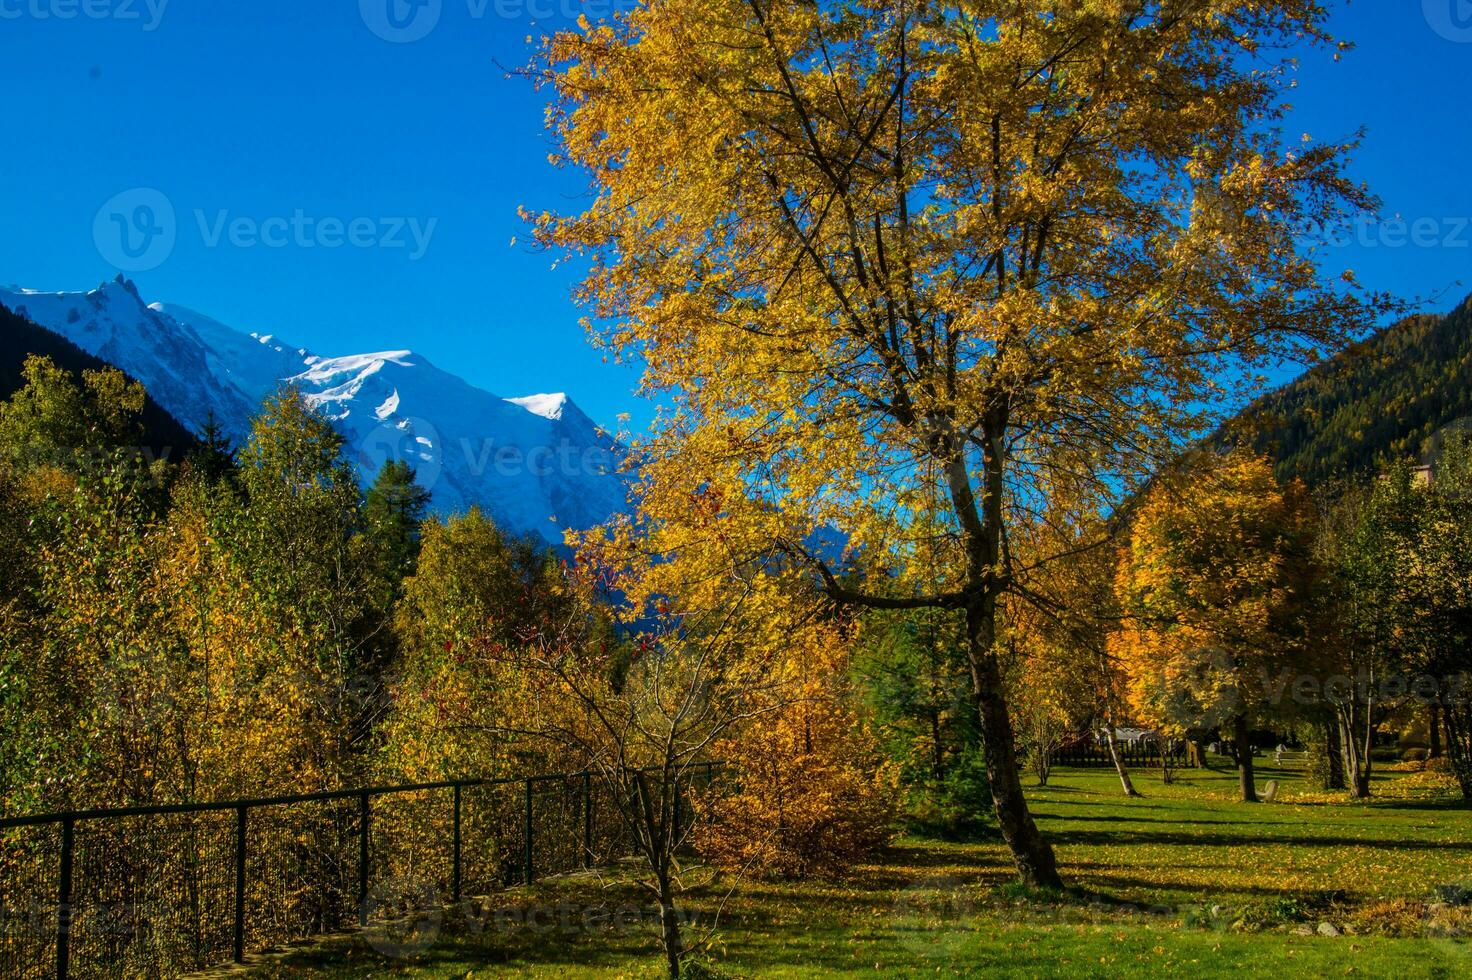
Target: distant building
(1425, 475)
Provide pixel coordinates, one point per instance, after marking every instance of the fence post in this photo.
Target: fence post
(240, 813)
(455, 867)
(363, 860)
(527, 837)
(587, 819)
(64, 901)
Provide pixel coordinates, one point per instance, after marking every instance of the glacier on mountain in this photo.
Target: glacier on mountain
(537, 464)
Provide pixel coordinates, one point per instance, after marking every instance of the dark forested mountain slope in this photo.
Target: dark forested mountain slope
(1382, 399)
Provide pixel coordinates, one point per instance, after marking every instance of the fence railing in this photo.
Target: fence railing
(1086, 753)
(162, 890)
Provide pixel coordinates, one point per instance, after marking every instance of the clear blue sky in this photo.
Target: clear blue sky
(270, 108)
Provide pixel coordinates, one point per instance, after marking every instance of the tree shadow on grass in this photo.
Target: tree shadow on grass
(350, 958)
(1447, 806)
(901, 865)
(496, 936)
(1095, 802)
(1119, 838)
(1103, 879)
(1193, 821)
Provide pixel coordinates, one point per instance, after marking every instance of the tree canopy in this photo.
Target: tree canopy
(932, 274)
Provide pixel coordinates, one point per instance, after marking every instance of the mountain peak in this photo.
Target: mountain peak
(127, 284)
(521, 460)
(120, 290)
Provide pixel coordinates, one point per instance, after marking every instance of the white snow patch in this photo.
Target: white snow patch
(548, 406)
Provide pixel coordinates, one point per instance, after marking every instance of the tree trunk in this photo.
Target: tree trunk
(1349, 749)
(1198, 753)
(1033, 856)
(1042, 763)
(1356, 765)
(1335, 752)
(1167, 770)
(652, 821)
(937, 750)
(1459, 743)
(1433, 712)
(1362, 781)
(1124, 775)
(669, 922)
(1243, 748)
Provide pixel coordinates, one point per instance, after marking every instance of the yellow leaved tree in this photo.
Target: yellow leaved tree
(904, 273)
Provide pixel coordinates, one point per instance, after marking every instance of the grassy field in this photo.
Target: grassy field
(1184, 882)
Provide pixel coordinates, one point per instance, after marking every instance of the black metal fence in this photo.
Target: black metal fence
(166, 890)
(1088, 754)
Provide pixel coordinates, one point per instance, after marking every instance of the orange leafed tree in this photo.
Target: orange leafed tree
(1218, 581)
(814, 792)
(911, 272)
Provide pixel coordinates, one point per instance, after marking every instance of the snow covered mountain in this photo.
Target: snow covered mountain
(536, 464)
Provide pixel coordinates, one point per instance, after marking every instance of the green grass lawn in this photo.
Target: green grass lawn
(1184, 882)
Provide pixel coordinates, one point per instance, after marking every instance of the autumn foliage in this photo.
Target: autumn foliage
(908, 275)
(812, 790)
(1218, 583)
